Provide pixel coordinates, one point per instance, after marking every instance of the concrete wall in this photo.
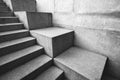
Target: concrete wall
(21, 5)
(96, 24)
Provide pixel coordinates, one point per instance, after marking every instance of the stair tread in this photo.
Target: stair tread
(18, 54)
(51, 74)
(16, 41)
(7, 24)
(86, 63)
(52, 31)
(24, 70)
(12, 32)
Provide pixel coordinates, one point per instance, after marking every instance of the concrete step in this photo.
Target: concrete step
(11, 26)
(11, 35)
(55, 40)
(6, 14)
(4, 20)
(79, 64)
(28, 70)
(53, 73)
(15, 45)
(20, 57)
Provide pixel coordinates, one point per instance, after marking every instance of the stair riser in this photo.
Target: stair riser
(38, 71)
(4, 9)
(9, 20)
(6, 14)
(11, 27)
(13, 36)
(69, 73)
(20, 61)
(16, 47)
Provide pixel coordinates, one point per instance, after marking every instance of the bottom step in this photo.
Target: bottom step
(79, 64)
(53, 73)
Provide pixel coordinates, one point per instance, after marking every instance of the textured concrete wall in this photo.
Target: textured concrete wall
(96, 24)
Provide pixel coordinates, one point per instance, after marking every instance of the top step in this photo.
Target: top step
(86, 64)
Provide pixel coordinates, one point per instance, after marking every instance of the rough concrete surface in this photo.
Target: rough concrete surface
(83, 62)
(96, 24)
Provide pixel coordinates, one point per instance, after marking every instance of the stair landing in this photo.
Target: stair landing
(87, 64)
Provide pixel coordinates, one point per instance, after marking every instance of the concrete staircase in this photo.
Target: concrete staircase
(21, 58)
(49, 55)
